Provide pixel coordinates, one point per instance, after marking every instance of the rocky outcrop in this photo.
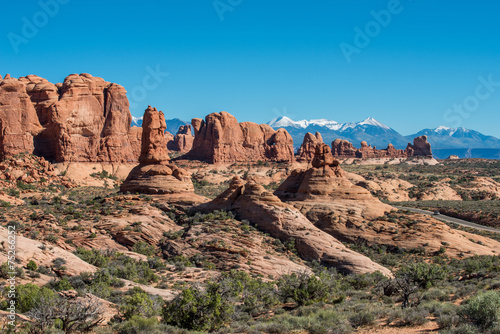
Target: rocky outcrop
(154, 146)
(306, 151)
(327, 198)
(251, 201)
(18, 119)
(221, 139)
(84, 119)
(421, 147)
(155, 174)
(344, 149)
(183, 140)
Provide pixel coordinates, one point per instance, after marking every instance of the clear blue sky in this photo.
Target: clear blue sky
(271, 58)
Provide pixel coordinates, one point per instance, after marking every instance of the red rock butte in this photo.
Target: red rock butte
(221, 139)
(83, 119)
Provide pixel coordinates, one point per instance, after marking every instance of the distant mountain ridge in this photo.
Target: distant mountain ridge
(370, 130)
(457, 138)
(380, 135)
(173, 125)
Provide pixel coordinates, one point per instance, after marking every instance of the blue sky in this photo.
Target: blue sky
(261, 59)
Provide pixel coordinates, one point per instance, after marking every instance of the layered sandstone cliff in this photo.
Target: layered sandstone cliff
(221, 139)
(18, 119)
(83, 119)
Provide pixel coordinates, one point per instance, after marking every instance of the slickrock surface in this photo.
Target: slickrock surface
(252, 202)
(221, 139)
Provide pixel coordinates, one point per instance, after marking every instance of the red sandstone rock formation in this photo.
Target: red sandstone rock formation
(252, 202)
(154, 146)
(420, 147)
(85, 119)
(183, 140)
(155, 175)
(344, 149)
(306, 150)
(18, 120)
(221, 139)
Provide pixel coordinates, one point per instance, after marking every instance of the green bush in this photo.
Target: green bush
(140, 325)
(144, 248)
(94, 257)
(304, 288)
(197, 309)
(138, 302)
(32, 265)
(28, 295)
(483, 309)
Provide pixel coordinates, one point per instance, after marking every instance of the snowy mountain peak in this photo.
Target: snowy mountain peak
(283, 121)
(449, 131)
(136, 121)
(374, 122)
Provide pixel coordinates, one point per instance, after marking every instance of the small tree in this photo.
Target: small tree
(70, 315)
(413, 277)
(197, 309)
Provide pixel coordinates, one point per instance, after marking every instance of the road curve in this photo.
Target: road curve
(450, 219)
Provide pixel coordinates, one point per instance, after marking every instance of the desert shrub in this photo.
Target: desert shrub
(28, 295)
(144, 248)
(461, 329)
(304, 288)
(197, 309)
(94, 257)
(362, 318)
(5, 270)
(32, 265)
(254, 295)
(138, 302)
(483, 309)
(60, 285)
(314, 321)
(140, 325)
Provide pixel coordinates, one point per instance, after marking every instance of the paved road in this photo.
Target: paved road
(450, 219)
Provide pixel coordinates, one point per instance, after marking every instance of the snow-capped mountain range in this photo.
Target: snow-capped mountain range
(370, 130)
(378, 134)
